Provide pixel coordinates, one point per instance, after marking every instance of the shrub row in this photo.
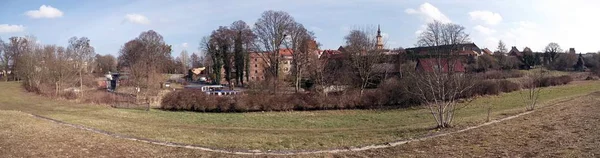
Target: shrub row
(554, 81)
(497, 74)
(389, 95)
(195, 100)
(492, 87)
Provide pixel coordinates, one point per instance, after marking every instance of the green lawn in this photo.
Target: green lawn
(272, 130)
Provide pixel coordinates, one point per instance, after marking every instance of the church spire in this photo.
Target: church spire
(378, 31)
(379, 38)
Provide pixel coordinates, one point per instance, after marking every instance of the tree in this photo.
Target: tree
(196, 61)
(534, 88)
(64, 74)
(270, 30)
(300, 43)
(440, 88)
(145, 56)
(564, 61)
(362, 56)
(27, 61)
(550, 53)
(106, 63)
(528, 58)
(439, 34)
(502, 47)
(185, 61)
(486, 62)
(243, 39)
(84, 54)
(214, 59)
(12, 51)
(3, 70)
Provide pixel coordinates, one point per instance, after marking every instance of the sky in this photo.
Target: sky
(183, 23)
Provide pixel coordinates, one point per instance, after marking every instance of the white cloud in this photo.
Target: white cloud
(137, 19)
(488, 17)
(6, 28)
(184, 45)
(484, 30)
(45, 12)
(429, 13)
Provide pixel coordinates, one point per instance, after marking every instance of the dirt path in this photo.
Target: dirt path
(568, 129)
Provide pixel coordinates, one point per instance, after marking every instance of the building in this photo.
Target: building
(439, 65)
(515, 52)
(467, 49)
(259, 61)
(379, 45)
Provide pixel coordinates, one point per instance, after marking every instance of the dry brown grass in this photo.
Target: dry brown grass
(568, 129)
(25, 136)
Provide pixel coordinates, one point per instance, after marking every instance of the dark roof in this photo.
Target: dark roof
(487, 51)
(471, 46)
(515, 52)
(428, 64)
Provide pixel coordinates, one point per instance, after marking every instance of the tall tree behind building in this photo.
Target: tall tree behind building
(145, 56)
(271, 30)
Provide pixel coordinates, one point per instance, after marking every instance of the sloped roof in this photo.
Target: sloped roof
(487, 51)
(515, 52)
(422, 50)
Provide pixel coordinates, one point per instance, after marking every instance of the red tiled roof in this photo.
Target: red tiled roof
(428, 64)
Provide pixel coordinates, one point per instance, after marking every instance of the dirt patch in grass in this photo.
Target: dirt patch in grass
(569, 129)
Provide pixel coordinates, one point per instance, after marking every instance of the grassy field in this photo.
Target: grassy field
(273, 130)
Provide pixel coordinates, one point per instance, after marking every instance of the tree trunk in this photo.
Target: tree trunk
(81, 82)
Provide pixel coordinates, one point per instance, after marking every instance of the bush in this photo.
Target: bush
(554, 81)
(508, 86)
(484, 87)
(502, 74)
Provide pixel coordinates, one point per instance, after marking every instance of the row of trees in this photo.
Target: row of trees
(229, 48)
(47, 68)
(552, 58)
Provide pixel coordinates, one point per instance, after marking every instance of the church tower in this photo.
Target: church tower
(379, 38)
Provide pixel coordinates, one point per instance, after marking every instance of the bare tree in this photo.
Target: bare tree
(534, 88)
(551, 51)
(196, 61)
(440, 87)
(214, 58)
(63, 69)
(84, 55)
(106, 63)
(501, 47)
(27, 61)
(3, 69)
(362, 56)
(271, 29)
(185, 61)
(146, 57)
(300, 43)
(12, 51)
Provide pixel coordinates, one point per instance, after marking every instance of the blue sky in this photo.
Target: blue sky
(183, 23)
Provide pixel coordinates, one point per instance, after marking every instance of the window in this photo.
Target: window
(255, 65)
(255, 59)
(252, 78)
(255, 71)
